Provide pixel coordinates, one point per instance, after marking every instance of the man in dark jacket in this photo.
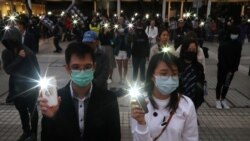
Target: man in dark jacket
(85, 112)
(140, 51)
(229, 54)
(102, 61)
(22, 66)
(28, 39)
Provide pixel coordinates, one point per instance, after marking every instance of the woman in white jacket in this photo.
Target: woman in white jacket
(171, 116)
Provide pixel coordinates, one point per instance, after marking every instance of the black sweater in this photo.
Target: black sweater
(229, 54)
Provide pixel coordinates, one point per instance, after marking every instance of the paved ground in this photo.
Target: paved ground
(215, 125)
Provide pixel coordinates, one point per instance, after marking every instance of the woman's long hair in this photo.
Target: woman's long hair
(170, 60)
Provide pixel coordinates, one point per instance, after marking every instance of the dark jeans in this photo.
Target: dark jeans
(222, 88)
(139, 62)
(56, 43)
(27, 109)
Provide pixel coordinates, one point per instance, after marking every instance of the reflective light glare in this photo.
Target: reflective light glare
(106, 25)
(130, 25)
(44, 83)
(75, 21)
(116, 26)
(194, 15)
(6, 27)
(134, 91)
(132, 19)
(147, 16)
(136, 14)
(165, 49)
(62, 13)
(115, 15)
(202, 23)
(188, 14)
(157, 15)
(49, 13)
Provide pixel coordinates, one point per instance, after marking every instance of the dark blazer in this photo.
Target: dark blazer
(29, 41)
(102, 122)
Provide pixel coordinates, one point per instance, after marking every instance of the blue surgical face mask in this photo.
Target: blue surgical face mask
(82, 78)
(166, 84)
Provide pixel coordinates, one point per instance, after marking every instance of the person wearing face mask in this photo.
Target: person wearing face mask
(192, 75)
(85, 112)
(229, 53)
(171, 116)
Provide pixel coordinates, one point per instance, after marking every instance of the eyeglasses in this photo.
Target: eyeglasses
(79, 68)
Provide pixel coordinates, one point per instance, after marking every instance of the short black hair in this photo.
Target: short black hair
(80, 50)
(170, 60)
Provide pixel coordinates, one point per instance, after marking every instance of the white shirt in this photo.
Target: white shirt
(23, 35)
(152, 32)
(80, 107)
(155, 50)
(182, 127)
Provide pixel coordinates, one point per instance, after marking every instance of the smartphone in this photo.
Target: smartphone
(142, 103)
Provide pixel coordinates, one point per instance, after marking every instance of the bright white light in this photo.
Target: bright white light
(116, 26)
(62, 13)
(132, 19)
(121, 11)
(194, 15)
(106, 25)
(157, 15)
(165, 49)
(97, 14)
(6, 27)
(134, 92)
(115, 15)
(147, 16)
(136, 14)
(202, 23)
(75, 21)
(49, 13)
(248, 20)
(184, 15)
(44, 83)
(12, 18)
(188, 14)
(130, 25)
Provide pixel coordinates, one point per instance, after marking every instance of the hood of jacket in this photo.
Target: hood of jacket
(12, 38)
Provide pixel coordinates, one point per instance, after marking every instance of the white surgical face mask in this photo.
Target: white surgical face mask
(166, 84)
(234, 36)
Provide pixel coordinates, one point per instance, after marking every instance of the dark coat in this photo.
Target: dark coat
(229, 54)
(140, 47)
(30, 41)
(102, 122)
(23, 71)
(102, 69)
(197, 96)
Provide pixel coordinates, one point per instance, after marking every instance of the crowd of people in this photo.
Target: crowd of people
(174, 80)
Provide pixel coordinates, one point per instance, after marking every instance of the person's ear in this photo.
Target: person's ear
(67, 69)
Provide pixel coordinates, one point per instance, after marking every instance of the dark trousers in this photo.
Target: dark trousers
(27, 109)
(139, 62)
(56, 43)
(222, 87)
